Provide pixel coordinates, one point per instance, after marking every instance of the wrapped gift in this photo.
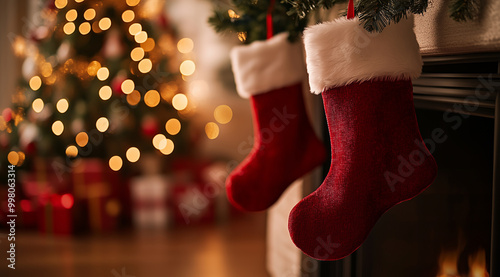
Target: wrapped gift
(55, 214)
(149, 201)
(97, 191)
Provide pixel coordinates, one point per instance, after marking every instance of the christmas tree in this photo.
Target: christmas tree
(100, 79)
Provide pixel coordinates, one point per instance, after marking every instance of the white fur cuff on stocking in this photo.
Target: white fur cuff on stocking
(341, 52)
(266, 65)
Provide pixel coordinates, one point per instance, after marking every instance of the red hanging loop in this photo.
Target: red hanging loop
(269, 20)
(350, 10)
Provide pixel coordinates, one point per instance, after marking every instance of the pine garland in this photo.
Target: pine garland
(248, 19)
(463, 10)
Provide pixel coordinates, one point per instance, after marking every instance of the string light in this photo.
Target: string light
(148, 45)
(242, 36)
(133, 154)
(46, 69)
(137, 54)
(13, 157)
(93, 68)
(173, 126)
(37, 105)
(135, 28)
(134, 98)
(223, 114)
(89, 14)
(60, 4)
(102, 124)
(84, 28)
(152, 98)
(71, 151)
(141, 37)
(105, 23)
(35, 83)
(21, 156)
(187, 68)
(57, 128)
(133, 2)
(103, 73)
(232, 14)
(62, 105)
(82, 139)
(71, 15)
(145, 66)
(128, 86)
(179, 101)
(128, 16)
(212, 130)
(185, 45)
(169, 147)
(159, 141)
(105, 92)
(115, 163)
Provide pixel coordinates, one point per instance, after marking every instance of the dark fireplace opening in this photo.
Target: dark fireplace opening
(446, 230)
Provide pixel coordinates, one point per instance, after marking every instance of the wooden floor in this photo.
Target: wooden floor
(236, 249)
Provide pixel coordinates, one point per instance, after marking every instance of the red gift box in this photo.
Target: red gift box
(96, 189)
(55, 214)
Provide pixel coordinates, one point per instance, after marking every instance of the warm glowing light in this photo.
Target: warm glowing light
(102, 124)
(79, 1)
(46, 69)
(35, 82)
(105, 92)
(21, 156)
(115, 163)
(62, 105)
(103, 73)
(173, 126)
(135, 28)
(89, 14)
(60, 4)
(185, 45)
(134, 98)
(212, 130)
(71, 15)
(84, 28)
(145, 66)
(133, 154)
(152, 98)
(67, 201)
(137, 54)
(57, 128)
(223, 114)
(37, 105)
(159, 141)
(82, 139)
(169, 147)
(242, 36)
(141, 37)
(187, 68)
(71, 151)
(128, 86)
(13, 157)
(105, 23)
(133, 2)
(232, 14)
(93, 67)
(179, 101)
(148, 45)
(128, 16)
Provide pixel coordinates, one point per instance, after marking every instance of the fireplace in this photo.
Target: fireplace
(452, 229)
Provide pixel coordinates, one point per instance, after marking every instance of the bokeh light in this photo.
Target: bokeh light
(37, 105)
(173, 126)
(62, 105)
(128, 86)
(71, 151)
(145, 66)
(133, 154)
(84, 28)
(212, 130)
(105, 92)
(57, 128)
(103, 73)
(105, 23)
(223, 114)
(134, 98)
(187, 68)
(152, 98)
(102, 124)
(137, 54)
(128, 16)
(179, 101)
(89, 14)
(35, 83)
(82, 139)
(115, 163)
(185, 45)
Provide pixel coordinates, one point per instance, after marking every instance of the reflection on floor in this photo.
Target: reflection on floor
(236, 249)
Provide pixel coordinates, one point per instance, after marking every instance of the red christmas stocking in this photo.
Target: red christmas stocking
(285, 147)
(378, 156)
